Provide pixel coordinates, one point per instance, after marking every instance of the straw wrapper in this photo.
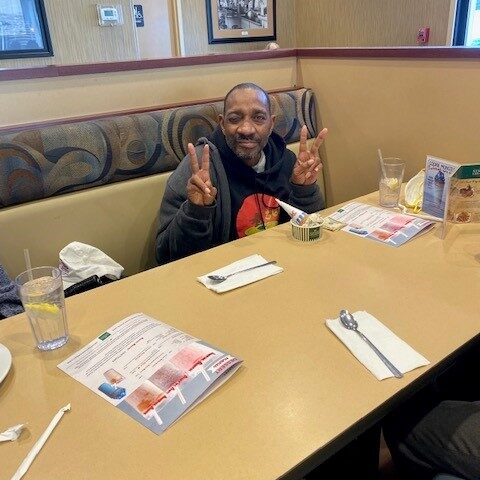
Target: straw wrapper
(11, 434)
(25, 465)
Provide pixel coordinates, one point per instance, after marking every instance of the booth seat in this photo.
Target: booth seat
(101, 182)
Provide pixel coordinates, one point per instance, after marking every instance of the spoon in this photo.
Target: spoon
(351, 324)
(222, 278)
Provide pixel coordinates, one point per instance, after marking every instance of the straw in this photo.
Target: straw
(382, 164)
(28, 264)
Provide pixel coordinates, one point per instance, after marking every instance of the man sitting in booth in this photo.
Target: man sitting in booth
(225, 187)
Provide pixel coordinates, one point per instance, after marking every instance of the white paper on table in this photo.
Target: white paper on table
(243, 278)
(25, 465)
(11, 434)
(402, 355)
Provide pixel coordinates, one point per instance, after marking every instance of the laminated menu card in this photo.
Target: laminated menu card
(150, 370)
(379, 224)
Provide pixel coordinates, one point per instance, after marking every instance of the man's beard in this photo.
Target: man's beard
(250, 155)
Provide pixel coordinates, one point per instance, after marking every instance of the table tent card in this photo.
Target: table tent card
(150, 370)
(452, 191)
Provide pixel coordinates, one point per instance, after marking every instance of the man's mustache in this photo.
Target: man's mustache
(247, 138)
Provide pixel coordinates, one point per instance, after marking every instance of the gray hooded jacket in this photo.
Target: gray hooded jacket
(186, 228)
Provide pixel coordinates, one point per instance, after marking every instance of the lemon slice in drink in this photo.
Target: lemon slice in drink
(43, 308)
(392, 183)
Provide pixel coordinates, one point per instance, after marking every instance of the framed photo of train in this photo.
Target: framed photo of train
(240, 20)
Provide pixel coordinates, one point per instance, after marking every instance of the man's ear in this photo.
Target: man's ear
(221, 122)
(273, 117)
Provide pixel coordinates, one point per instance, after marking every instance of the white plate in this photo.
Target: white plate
(5, 361)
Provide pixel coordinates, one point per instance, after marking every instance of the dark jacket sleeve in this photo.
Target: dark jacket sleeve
(308, 198)
(10, 303)
(184, 228)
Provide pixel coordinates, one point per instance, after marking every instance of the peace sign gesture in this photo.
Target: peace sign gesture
(306, 168)
(200, 190)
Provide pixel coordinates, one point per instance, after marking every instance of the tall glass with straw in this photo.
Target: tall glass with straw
(41, 292)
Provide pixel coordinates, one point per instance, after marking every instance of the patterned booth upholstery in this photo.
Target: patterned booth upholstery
(50, 161)
(47, 177)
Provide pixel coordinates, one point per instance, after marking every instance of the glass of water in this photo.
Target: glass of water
(390, 183)
(41, 292)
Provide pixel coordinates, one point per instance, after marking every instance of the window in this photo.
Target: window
(467, 23)
(23, 29)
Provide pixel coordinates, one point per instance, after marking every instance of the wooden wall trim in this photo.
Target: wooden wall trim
(85, 118)
(108, 67)
(390, 52)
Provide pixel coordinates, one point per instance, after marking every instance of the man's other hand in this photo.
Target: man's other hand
(200, 190)
(306, 168)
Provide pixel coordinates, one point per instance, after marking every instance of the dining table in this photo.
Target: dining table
(299, 396)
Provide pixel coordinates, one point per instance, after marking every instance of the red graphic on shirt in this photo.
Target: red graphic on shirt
(258, 212)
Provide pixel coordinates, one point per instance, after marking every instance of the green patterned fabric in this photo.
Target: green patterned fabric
(43, 162)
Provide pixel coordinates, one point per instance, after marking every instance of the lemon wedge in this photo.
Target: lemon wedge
(391, 183)
(50, 308)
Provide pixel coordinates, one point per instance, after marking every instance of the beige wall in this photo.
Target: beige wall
(409, 108)
(154, 39)
(365, 23)
(195, 36)
(77, 37)
(35, 100)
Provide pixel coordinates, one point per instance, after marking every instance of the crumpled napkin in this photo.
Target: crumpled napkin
(242, 278)
(402, 355)
(11, 434)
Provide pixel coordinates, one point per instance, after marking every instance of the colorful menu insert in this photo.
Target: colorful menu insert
(150, 370)
(378, 224)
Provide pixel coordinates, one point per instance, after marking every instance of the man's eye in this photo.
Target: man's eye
(234, 119)
(260, 118)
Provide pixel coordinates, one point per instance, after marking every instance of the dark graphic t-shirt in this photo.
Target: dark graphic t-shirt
(253, 194)
(258, 212)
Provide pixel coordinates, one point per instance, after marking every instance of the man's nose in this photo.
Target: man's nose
(246, 127)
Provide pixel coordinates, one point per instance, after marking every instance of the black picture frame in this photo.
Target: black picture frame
(230, 21)
(46, 50)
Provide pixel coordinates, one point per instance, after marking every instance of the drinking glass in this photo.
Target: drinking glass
(41, 292)
(390, 183)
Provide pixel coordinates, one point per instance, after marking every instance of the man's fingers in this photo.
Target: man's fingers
(303, 140)
(318, 141)
(206, 159)
(193, 158)
(196, 181)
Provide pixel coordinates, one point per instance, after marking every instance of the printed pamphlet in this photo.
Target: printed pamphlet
(379, 224)
(452, 190)
(150, 370)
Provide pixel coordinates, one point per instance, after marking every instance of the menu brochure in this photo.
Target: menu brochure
(379, 224)
(150, 370)
(452, 190)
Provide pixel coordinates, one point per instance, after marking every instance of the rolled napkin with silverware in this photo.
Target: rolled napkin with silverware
(237, 274)
(399, 354)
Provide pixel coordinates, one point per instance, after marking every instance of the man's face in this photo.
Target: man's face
(247, 124)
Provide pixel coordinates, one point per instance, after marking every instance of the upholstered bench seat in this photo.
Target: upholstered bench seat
(101, 182)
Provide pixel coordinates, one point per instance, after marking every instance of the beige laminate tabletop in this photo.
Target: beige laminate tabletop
(299, 388)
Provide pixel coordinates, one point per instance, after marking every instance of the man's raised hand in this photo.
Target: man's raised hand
(200, 190)
(306, 168)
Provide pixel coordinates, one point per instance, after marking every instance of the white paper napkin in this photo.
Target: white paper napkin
(402, 355)
(11, 434)
(243, 278)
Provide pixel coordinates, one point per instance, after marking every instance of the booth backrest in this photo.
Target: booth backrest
(48, 175)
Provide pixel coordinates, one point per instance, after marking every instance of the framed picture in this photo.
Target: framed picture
(23, 29)
(240, 20)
